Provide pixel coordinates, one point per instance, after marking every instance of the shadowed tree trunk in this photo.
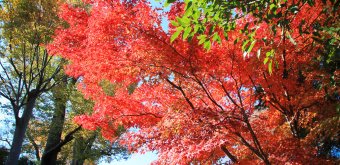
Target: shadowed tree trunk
(56, 127)
(21, 124)
(81, 149)
(57, 147)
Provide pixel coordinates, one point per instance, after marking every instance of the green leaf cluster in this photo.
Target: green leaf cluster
(202, 17)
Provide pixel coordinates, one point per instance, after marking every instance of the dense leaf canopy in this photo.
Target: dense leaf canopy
(198, 106)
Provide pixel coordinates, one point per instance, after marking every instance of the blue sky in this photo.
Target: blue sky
(135, 159)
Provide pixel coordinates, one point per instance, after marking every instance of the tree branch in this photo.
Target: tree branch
(69, 137)
(229, 154)
(184, 95)
(35, 145)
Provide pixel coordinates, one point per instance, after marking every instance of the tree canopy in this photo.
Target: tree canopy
(40, 98)
(265, 93)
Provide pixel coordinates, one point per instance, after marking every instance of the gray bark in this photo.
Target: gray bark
(20, 129)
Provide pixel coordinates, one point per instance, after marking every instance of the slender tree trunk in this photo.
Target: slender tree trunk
(56, 127)
(20, 129)
(35, 145)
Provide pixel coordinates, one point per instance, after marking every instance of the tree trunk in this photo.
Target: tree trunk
(54, 136)
(19, 135)
(35, 145)
(20, 129)
(78, 157)
(82, 148)
(56, 127)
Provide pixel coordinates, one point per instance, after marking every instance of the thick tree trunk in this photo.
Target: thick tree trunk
(56, 127)
(20, 129)
(54, 136)
(78, 146)
(81, 149)
(19, 135)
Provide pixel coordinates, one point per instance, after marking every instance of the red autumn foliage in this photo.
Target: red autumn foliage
(193, 105)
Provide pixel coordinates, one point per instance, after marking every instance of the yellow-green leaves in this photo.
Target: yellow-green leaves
(108, 87)
(269, 59)
(186, 32)
(176, 34)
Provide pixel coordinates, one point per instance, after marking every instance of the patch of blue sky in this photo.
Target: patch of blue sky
(6, 121)
(159, 4)
(135, 159)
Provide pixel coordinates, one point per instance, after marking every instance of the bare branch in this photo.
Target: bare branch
(207, 93)
(6, 140)
(8, 78)
(35, 145)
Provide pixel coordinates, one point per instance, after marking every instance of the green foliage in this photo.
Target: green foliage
(28, 20)
(108, 87)
(26, 26)
(269, 60)
(78, 103)
(89, 145)
(329, 38)
(204, 16)
(131, 88)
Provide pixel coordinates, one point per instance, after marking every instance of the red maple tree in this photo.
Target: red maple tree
(193, 105)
